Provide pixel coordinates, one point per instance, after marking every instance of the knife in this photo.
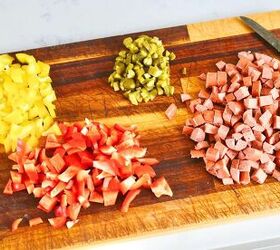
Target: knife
(268, 36)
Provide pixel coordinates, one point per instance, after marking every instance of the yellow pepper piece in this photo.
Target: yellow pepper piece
(26, 101)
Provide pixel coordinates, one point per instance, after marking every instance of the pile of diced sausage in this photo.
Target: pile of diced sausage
(236, 122)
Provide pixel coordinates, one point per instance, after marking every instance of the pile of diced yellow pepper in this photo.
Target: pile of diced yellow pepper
(27, 96)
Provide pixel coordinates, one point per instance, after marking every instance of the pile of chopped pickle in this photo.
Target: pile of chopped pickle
(27, 96)
(141, 71)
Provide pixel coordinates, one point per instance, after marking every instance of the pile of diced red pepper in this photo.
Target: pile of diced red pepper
(88, 162)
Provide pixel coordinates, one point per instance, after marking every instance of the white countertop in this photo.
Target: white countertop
(39, 23)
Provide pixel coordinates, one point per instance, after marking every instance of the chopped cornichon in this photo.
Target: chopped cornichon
(141, 71)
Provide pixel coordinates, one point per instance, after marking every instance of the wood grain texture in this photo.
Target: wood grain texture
(80, 72)
(230, 26)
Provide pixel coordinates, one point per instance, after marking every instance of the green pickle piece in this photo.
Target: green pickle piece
(115, 86)
(133, 98)
(141, 70)
(128, 84)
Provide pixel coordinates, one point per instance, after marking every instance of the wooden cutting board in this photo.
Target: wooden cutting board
(79, 72)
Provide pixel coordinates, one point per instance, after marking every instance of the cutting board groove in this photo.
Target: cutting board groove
(79, 72)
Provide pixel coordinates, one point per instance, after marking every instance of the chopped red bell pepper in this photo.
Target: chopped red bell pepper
(16, 223)
(131, 195)
(160, 187)
(88, 163)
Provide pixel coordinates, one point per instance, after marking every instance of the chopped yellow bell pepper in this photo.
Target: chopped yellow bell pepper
(26, 101)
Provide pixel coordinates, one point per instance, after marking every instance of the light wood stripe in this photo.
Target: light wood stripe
(230, 26)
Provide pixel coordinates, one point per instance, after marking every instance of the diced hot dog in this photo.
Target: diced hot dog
(256, 88)
(259, 176)
(241, 93)
(211, 79)
(236, 121)
(212, 154)
(198, 135)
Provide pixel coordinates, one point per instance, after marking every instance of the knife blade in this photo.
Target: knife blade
(268, 36)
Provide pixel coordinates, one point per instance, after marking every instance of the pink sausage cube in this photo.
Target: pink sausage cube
(235, 163)
(238, 146)
(264, 158)
(254, 73)
(251, 103)
(202, 76)
(276, 175)
(256, 88)
(248, 135)
(275, 93)
(171, 111)
(244, 166)
(253, 164)
(236, 78)
(223, 172)
(267, 59)
(275, 64)
(208, 116)
(231, 154)
(265, 119)
(268, 148)
(258, 128)
(197, 153)
(233, 87)
(218, 120)
(274, 138)
(247, 81)
(223, 131)
(265, 100)
(221, 65)
(187, 130)
(198, 135)
(227, 181)
(260, 62)
(252, 154)
(224, 88)
(200, 108)
(185, 97)
(212, 154)
(237, 136)
(221, 78)
(221, 148)
(243, 63)
(241, 155)
(210, 129)
(268, 167)
(222, 163)
(277, 146)
(241, 93)
(234, 119)
(244, 178)
(201, 145)
(259, 176)
(208, 104)
(235, 174)
(246, 54)
(209, 164)
(203, 94)
(211, 79)
(276, 122)
(227, 114)
(198, 120)
(193, 103)
(259, 136)
(230, 97)
(236, 107)
(267, 72)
